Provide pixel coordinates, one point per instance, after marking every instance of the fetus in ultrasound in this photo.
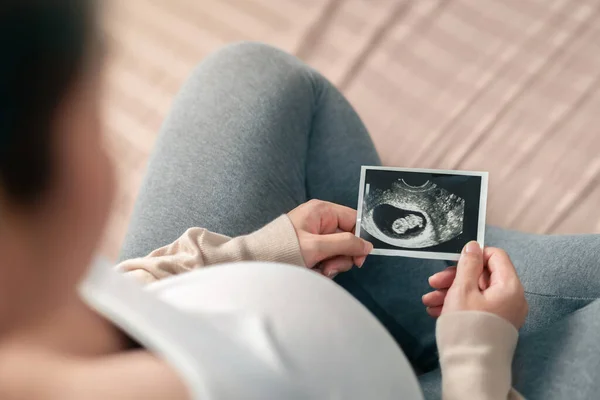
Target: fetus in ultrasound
(413, 216)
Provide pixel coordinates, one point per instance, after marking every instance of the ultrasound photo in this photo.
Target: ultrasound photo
(421, 213)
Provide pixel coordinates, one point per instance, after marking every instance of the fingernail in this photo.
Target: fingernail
(472, 247)
(332, 274)
(368, 247)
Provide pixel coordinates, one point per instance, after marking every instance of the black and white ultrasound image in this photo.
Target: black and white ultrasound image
(405, 210)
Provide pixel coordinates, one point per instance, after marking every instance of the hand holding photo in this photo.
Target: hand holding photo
(422, 213)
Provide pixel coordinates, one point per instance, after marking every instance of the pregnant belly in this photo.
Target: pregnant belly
(300, 324)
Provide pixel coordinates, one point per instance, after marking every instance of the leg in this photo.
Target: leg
(253, 134)
(560, 273)
(562, 360)
(232, 155)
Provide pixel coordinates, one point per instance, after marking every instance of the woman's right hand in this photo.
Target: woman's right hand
(326, 236)
(467, 288)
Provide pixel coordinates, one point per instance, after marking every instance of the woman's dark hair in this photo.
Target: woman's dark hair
(42, 50)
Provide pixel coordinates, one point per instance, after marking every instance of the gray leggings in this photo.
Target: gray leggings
(255, 132)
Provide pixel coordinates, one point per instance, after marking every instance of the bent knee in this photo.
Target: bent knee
(260, 64)
(265, 72)
(254, 50)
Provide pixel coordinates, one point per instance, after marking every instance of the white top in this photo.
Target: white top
(257, 331)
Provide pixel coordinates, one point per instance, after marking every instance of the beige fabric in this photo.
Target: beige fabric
(198, 247)
(476, 349)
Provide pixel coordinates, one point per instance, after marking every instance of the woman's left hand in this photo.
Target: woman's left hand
(326, 236)
(483, 281)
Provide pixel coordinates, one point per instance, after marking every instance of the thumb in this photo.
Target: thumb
(470, 266)
(342, 244)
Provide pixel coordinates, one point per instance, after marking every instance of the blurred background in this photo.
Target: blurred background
(505, 86)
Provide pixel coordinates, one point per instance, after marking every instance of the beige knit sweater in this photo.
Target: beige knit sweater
(475, 348)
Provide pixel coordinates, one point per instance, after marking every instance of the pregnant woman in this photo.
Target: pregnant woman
(253, 136)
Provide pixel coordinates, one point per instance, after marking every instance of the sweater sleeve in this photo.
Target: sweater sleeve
(476, 351)
(198, 247)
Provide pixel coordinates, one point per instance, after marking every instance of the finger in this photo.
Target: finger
(341, 244)
(470, 266)
(336, 216)
(484, 279)
(359, 261)
(443, 279)
(435, 298)
(434, 311)
(336, 265)
(317, 268)
(500, 265)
